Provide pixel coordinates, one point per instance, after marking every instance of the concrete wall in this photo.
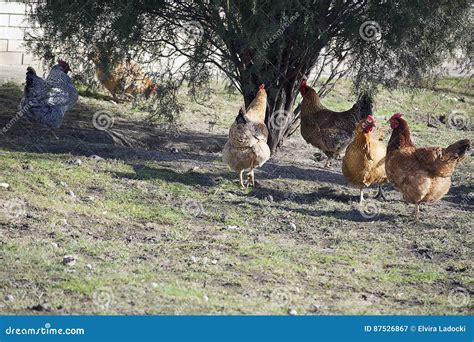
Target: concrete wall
(12, 32)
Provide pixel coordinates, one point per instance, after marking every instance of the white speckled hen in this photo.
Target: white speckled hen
(45, 101)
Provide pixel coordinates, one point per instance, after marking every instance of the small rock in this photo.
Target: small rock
(71, 193)
(63, 184)
(205, 260)
(292, 312)
(96, 157)
(292, 226)
(69, 260)
(89, 266)
(54, 244)
(154, 285)
(214, 262)
(152, 226)
(75, 162)
(194, 259)
(9, 298)
(206, 298)
(175, 150)
(269, 198)
(4, 185)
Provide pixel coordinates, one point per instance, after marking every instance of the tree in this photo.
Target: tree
(275, 42)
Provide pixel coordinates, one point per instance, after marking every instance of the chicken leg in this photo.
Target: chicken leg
(251, 178)
(380, 193)
(241, 174)
(361, 195)
(416, 211)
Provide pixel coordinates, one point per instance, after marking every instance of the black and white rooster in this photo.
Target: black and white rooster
(46, 101)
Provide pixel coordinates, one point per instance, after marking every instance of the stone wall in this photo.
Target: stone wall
(12, 31)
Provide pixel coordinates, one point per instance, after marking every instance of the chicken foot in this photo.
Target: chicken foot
(361, 195)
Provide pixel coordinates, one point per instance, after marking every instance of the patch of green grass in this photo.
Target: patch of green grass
(161, 237)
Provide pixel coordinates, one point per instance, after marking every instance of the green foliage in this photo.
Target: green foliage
(278, 43)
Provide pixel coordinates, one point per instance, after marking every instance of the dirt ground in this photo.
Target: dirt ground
(146, 219)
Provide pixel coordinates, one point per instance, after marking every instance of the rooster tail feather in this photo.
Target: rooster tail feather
(459, 148)
(365, 106)
(30, 74)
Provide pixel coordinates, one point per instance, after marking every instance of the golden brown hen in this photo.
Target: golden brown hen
(126, 78)
(325, 129)
(247, 146)
(421, 174)
(364, 161)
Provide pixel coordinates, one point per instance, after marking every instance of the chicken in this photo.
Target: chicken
(247, 146)
(364, 161)
(46, 101)
(325, 129)
(420, 174)
(125, 78)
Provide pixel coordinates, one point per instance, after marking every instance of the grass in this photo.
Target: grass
(161, 227)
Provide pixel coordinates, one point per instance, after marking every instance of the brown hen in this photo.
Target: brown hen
(364, 161)
(421, 174)
(325, 129)
(247, 146)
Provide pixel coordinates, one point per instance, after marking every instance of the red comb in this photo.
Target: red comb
(261, 86)
(370, 118)
(304, 83)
